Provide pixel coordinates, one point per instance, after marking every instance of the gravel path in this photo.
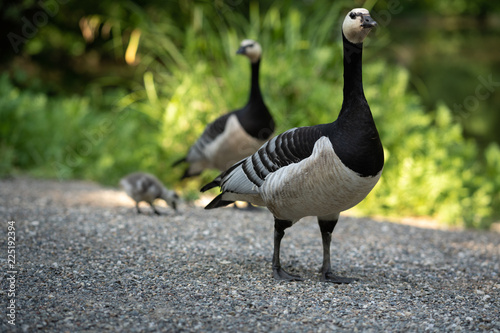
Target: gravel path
(87, 263)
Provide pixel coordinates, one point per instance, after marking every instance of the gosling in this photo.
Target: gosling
(142, 186)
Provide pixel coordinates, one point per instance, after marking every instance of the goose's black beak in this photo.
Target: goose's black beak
(241, 50)
(368, 22)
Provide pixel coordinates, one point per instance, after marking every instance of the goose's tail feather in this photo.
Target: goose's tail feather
(212, 184)
(218, 202)
(179, 161)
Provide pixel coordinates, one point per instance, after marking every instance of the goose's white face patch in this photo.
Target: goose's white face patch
(253, 49)
(352, 26)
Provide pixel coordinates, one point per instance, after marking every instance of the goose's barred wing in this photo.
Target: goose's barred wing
(150, 186)
(144, 184)
(211, 132)
(289, 147)
(215, 128)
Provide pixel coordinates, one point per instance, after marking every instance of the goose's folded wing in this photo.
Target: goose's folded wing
(290, 147)
(211, 132)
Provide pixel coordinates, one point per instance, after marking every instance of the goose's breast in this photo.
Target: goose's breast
(319, 185)
(232, 145)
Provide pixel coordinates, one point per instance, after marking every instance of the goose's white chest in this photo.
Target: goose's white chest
(231, 146)
(320, 185)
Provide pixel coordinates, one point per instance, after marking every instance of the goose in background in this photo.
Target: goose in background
(319, 170)
(237, 134)
(142, 186)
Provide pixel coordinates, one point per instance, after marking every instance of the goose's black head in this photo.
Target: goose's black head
(357, 24)
(251, 49)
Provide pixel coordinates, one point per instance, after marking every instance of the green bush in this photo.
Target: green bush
(431, 169)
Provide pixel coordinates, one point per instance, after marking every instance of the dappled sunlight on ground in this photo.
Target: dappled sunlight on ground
(107, 198)
(77, 193)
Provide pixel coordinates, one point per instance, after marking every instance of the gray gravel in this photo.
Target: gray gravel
(86, 262)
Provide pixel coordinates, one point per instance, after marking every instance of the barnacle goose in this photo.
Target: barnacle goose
(142, 186)
(237, 134)
(320, 170)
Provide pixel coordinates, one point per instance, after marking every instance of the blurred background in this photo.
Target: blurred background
(96, 89)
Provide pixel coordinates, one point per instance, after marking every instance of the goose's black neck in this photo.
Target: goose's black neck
(354, 135)
(353, 78)
(255, 94)
(255, 117)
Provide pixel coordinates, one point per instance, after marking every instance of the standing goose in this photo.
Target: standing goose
(236, 134)
(318, 171)
(142, 186)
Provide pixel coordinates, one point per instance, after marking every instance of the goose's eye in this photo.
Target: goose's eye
(352, 15)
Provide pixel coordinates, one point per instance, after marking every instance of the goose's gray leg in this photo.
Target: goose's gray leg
(154, 209)
(279, 232)
(251, 207)
(327, 275)
(137, 207)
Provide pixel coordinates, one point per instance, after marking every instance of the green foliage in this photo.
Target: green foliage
(431, 169)
(187, 77)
